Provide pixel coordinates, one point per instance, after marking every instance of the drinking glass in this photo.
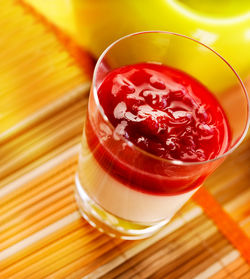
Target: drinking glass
(111, 168)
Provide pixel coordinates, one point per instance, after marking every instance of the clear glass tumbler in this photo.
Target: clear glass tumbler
(110, 166)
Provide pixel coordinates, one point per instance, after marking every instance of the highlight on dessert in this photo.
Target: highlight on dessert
(157, 127)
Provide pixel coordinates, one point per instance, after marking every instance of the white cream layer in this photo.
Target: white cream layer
(121, 200)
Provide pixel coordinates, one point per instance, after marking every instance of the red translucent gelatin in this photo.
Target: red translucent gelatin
(163, 111)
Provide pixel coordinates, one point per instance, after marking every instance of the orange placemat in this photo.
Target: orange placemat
(42, 233)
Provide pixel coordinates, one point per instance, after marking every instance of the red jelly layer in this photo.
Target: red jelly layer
(165, 112)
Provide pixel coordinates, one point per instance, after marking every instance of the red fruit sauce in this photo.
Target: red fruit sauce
(165, 112)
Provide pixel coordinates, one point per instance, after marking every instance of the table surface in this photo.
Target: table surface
(43, 92)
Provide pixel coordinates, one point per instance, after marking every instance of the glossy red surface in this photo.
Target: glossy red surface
(165, 112)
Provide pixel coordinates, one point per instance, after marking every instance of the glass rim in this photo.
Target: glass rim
(131, 144)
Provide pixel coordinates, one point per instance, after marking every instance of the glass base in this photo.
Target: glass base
(108, 223)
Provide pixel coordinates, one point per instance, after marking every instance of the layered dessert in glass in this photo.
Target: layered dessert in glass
(156, 127)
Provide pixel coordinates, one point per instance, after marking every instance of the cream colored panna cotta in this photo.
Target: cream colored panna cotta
(121, 200)
(164, 113)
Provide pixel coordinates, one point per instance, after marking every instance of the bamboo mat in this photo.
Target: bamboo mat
(43, 100)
